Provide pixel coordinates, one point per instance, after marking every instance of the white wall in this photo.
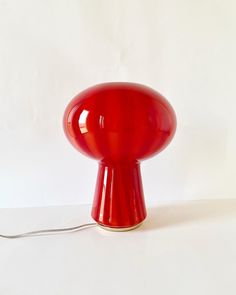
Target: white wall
(51, 50)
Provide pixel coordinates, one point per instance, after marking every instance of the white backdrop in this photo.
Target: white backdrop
(51, 50)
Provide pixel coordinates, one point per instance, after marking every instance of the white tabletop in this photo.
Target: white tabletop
(185, 248)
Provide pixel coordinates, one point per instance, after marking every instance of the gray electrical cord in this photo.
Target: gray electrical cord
(48, 231)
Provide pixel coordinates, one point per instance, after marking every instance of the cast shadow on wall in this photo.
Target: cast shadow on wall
(190, 212)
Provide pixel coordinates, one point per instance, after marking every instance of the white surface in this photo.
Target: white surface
(185, 248)
(51, 50)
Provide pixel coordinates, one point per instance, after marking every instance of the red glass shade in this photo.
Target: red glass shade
(119, 124)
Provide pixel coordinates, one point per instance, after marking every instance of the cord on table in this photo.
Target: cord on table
(48, 231)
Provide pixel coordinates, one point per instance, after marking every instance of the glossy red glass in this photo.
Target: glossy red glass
(119, 124)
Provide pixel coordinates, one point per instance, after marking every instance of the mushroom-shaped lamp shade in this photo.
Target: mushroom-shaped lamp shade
(119, 125)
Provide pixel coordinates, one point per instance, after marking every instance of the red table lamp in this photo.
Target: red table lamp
(119, 124)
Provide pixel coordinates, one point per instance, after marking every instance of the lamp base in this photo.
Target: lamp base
(118, 199)
(119, 229)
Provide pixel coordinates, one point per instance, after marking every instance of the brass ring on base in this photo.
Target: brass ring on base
(118, 229)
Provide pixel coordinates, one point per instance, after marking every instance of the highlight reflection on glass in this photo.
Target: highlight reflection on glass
(82, 121)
